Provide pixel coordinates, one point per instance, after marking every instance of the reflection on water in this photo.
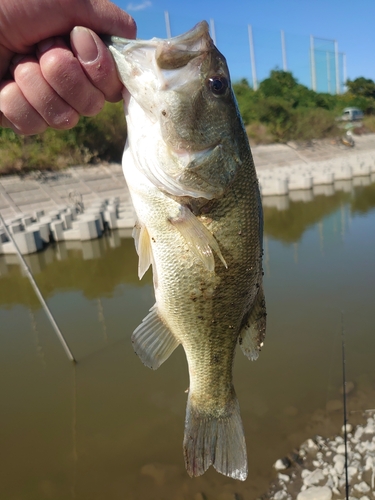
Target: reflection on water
(110, 428)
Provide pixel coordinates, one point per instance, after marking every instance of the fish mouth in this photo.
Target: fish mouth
(171, 53)
(159, 56)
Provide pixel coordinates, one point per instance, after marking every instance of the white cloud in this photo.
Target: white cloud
(139, 6)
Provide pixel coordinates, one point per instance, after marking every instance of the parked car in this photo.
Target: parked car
(351, 114)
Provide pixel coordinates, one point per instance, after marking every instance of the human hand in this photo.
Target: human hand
(47, 79)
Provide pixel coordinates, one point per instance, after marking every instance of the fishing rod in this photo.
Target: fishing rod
(344, 403)
(38, 293)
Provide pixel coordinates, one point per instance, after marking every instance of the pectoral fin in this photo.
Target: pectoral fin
(153, 341)
(254, 329)
(143, 247)
(198, 237)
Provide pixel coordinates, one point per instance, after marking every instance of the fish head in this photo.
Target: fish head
(183, 83)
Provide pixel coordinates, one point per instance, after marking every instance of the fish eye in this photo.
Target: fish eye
(218, 85)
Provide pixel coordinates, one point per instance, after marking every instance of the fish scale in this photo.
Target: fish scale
(190, 173)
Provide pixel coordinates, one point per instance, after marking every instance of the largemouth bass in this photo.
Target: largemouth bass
(193, 184)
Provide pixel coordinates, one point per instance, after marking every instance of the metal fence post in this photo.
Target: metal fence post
(167, 24)
(212, 30)
(337, 67)
(252, 57)
(312, 62)
(283, 50)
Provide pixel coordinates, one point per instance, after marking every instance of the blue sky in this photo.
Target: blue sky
(351, 23)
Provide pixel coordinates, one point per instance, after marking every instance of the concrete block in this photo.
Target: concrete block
(37, 238)
(54, 214)
(88, 229)
(45, 232)
(274, 187)
(97, 213)
(322, 178)
(67, 220)
(298, 181)
(73, 212)
(27, 220)
(57, 229)
(110, 217)
(342, 172)
(25, 242)
(16, 227)
(72, 234)
(125, 222)
(38, 214)
(360, 169)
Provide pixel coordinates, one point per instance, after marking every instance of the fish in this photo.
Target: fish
(189, 169)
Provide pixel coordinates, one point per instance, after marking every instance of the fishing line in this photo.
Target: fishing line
(38, 292)
(344, 401)
(335, 346)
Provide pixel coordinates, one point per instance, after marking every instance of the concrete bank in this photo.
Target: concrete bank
(317, 471)
(286, 168)
(80, 202)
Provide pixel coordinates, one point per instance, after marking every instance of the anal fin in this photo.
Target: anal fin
(253, 332)
(153, 341)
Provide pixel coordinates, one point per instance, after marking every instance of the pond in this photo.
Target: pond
(110, 428)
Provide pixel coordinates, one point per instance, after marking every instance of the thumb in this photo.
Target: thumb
(97, 62)
(106, 18)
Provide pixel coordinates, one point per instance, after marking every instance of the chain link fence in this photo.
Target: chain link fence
(252, 52)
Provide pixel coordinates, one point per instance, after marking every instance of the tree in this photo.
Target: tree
(361, 87)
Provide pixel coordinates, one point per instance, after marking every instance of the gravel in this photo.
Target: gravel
(317, 471)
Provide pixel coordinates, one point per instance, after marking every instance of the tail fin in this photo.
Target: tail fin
(215, 441)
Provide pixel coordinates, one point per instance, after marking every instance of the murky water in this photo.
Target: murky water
(109, 428)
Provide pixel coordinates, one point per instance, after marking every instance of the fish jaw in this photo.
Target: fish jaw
(171, 100)
(175, 82)
(146, 66)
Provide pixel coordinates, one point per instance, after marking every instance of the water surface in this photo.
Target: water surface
(109, 428)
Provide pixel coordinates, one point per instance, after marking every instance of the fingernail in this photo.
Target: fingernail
(84, 44)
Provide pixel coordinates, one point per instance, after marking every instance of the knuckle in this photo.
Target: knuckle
(94, 104)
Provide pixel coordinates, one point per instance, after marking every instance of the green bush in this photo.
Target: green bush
(316, 123)
(280, 110)
(100, 138)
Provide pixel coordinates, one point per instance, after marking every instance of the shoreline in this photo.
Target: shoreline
(316, 471)
(80, 202)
